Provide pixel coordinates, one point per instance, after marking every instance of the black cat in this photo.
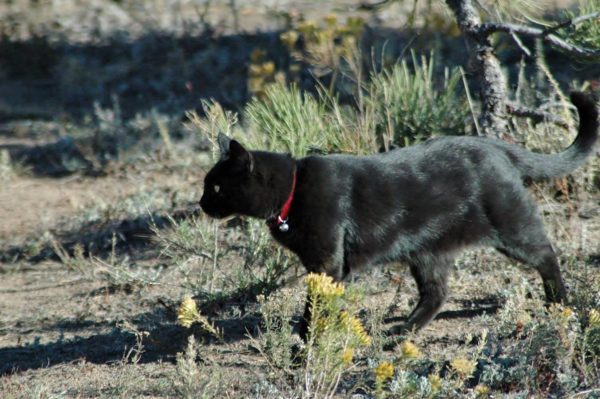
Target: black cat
(421, 205)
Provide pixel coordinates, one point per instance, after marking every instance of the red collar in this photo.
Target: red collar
(281, 220)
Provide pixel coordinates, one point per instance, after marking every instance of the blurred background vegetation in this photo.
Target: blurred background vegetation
(96, 81)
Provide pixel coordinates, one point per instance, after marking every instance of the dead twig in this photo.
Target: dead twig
(536, 115)
(486, 29)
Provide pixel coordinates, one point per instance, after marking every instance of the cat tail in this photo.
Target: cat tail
(537, 166)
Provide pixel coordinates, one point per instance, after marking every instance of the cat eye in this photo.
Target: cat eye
(217, 188)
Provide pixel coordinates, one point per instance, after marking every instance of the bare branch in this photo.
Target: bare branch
(487, 29)
(364, 6)
(520, 44)
(492, 84)
(572, 22)
(536, 115)
(466, 15)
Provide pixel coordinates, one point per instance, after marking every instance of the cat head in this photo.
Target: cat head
(229, 185)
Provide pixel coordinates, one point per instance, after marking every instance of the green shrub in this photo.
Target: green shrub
(587, 33)
(410, 106)
(290, 120)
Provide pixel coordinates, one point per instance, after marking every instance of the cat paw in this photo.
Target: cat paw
(390, 344)
(394, 336)
(297, 356)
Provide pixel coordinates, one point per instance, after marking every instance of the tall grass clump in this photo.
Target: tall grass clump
(192, 246)
(290, 120)
(286, 119)
(216, 120)
(265, 263)
(587, 33)
(194, 379)
(276, 339)
(413, 106)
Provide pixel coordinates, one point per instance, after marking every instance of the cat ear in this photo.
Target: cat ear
(238, 153)
(223, 142)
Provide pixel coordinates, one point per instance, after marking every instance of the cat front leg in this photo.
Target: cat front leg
(305, 321)
(334, 268)
(431, 275)
(336, 271)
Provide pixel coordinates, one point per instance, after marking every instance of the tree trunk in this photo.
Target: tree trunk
(492, 84)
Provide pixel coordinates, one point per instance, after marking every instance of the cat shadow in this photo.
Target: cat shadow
(96, 238)
(470, 309)
(161, 341)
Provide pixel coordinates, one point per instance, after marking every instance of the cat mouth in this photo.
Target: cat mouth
(212, 212)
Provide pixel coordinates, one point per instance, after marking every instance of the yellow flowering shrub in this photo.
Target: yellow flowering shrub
(188, 314)
(384, 371)
(347, 356)
(591, 338)
(355, 327)
(481, 390)
(463, 367)
(435, 381)
(261, 73)
(335, 333)
(326, 44)
(594, 317)
(321, 285)
(410, 350)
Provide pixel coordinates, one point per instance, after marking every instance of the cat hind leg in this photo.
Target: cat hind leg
(431, 276)
(521, 236)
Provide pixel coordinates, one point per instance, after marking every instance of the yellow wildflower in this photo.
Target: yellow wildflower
(255, 70)
(383, 372)
(268, 68)
(356, 327)
(323, 285)
(307, 27)
(330, 20)
(594, 317)
(257, 55)
(321, 325)
(462, 366)
(187, 314)
(435, 381)
(355, 24)
(289, 38)
(323, 36)
(347, 356)
(567, 312)
(256, 85)
(482, 390)
(410, 350)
